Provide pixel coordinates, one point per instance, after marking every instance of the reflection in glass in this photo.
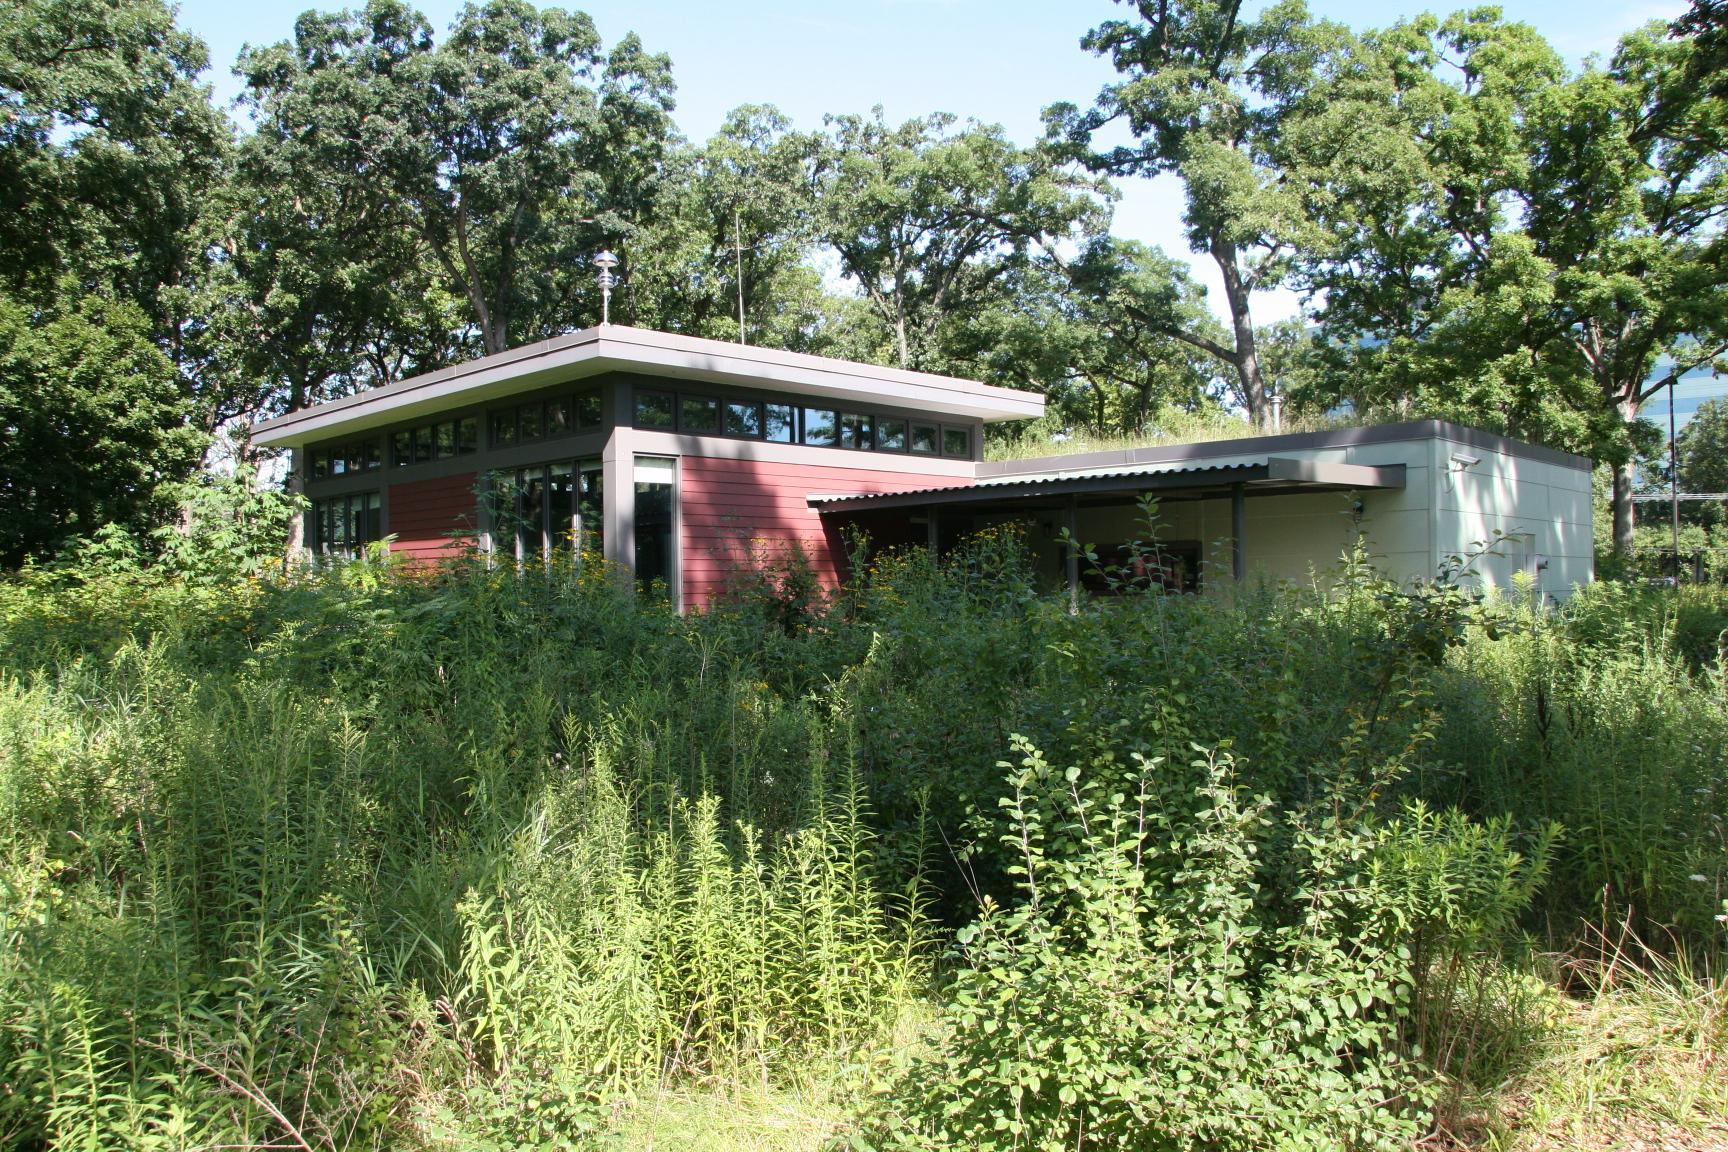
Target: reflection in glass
(700, 414)
(819, 427)
(444, 440)
(561, 507)
(654, 508)
(402, 447)
(956, 442)
(468, 434)
(743, 418)
(588, 410)
(653, 410)
(531, 540)
(423, 443)
(779, 423)
(529, 423)
(855, 432)
(891, 435)
(924, 438)
(590, 509)
(501, 504)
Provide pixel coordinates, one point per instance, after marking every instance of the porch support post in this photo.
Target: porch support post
(931, 536)
(1074, 555)
(618, 499)
(1238, 514)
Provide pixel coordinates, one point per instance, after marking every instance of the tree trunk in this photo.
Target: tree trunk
(295, 484)
(1247, 357)
(297, 522)
(1625, 518)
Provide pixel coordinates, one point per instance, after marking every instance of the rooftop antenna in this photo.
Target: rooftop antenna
(605, 261)
(738, 252)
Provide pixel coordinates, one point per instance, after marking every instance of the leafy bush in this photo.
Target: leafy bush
(1160, 980)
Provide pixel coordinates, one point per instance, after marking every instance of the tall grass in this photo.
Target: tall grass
(382, 859)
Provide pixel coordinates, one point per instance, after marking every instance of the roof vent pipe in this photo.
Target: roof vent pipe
(1277, 409)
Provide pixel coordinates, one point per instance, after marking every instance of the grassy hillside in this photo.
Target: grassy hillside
(486, 859)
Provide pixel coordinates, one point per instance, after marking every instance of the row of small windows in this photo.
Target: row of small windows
(700, 415)
(543, 419)
(521, 424)
(435, 441)
(342, 459)
(789, 424)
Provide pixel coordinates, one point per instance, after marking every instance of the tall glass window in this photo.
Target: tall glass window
(344, 525)
(562, 525)
(548, 509)
(591, 509)
(655, 478)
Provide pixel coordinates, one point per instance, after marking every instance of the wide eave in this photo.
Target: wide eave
(615, 348)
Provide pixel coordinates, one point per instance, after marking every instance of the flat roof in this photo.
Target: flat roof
(1285, 442)
(617, 347)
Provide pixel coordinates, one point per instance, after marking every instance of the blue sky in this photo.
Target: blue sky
(998, 61)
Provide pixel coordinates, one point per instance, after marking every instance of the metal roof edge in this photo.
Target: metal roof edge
(625, 348)
(1289, 442)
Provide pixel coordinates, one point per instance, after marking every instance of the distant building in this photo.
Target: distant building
(1691, 390)
(689, 461)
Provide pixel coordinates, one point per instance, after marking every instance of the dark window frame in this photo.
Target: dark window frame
(369, 504)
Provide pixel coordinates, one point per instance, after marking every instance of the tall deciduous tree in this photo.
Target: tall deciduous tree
(1532, 245)
(517, 146)
(726, 254)
(108, 146)
(330, 284)
(929, 222)
(1093, 334)
(1209, 93)
(92, 422)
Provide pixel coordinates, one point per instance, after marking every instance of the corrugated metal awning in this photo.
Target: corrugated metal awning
(1267, 475)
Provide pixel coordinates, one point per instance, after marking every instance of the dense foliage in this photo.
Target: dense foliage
(1479, 231)
(472, 858)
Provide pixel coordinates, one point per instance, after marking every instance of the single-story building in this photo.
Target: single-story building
(687, 460)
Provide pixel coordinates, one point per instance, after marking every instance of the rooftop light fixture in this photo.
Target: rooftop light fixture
(605, 261)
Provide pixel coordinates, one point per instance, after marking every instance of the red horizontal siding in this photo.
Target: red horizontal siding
(425, 515)
(740, 515)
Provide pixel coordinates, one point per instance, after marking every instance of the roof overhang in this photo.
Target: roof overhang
(1274, 474)
(613, 348)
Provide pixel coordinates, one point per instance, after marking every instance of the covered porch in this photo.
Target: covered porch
(1100, 509)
